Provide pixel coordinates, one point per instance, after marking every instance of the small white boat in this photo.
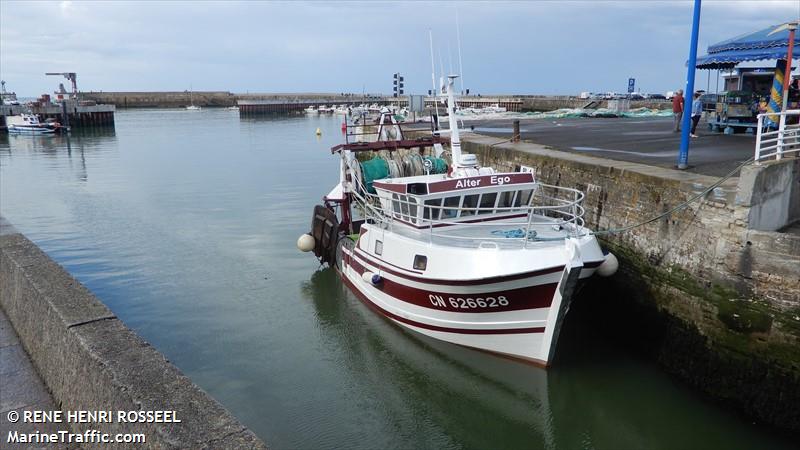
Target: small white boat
(458, 252)
(232, 108)
(342, 110)
(29, 124)
(192, 106)
(311, 110)
(496, 108)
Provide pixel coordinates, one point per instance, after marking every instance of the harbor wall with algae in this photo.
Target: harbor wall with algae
(90, 360)
(702, 291)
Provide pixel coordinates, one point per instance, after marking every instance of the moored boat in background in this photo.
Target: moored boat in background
(30, 124)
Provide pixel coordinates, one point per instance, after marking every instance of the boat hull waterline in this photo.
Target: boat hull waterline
(519, 318)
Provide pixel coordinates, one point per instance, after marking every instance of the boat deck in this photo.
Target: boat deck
(544, 231)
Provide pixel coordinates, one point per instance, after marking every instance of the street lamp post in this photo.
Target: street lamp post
(683, 156)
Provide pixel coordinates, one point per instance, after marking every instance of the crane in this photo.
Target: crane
(72, 77)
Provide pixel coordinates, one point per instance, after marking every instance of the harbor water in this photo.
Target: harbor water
(184, 223)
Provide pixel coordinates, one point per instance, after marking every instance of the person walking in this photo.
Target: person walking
(677, 109)
(697, 111)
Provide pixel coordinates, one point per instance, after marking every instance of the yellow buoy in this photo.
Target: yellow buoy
(319, 132)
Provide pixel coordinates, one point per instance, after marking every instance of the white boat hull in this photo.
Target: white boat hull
(30, 130)
(514, 316)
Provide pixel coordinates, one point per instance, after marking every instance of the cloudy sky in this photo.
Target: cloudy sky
(543, 47)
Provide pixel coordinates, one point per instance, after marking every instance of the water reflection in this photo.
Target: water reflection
(474, 399)
(75, 144)
(594, 396)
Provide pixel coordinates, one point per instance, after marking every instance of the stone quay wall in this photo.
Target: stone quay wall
(90, 360)
(177, 99)
(711, 291)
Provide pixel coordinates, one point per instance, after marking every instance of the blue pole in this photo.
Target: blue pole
(683, 156)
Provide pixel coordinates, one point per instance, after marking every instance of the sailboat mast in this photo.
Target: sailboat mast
(433, 79)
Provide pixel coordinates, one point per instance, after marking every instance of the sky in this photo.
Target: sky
(534, 47)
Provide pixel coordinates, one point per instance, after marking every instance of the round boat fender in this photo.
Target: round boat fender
(306, 242)
(609, 266)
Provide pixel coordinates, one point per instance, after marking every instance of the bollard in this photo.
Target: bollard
(515, 133)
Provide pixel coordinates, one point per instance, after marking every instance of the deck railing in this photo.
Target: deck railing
(557, 208)
(785, 140)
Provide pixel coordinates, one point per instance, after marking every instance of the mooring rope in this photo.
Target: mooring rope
(679, 206)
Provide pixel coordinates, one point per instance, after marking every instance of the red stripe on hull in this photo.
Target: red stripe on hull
(529, 297)
(383, 266)
(363, 297)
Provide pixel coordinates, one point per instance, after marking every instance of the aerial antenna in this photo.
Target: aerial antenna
(441, 72)
(460, 67)
(433, 77)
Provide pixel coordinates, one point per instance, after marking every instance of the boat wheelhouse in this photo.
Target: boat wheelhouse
(457, 251)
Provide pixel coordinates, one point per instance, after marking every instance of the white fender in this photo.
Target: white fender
(609, 266)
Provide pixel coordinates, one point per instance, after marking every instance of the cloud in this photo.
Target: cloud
(508, 47)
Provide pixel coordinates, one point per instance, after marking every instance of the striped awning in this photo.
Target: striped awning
(756, 46)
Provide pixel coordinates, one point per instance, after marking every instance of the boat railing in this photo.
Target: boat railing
(507, 219)
(780, 142)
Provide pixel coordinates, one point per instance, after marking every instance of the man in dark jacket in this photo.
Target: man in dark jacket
(677, 110)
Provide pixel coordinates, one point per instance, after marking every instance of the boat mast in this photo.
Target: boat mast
(455, 141)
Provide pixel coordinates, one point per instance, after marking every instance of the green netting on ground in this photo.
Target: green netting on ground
(438, 165)
(374, 169)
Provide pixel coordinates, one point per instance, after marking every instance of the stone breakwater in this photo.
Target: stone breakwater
(90, 361)
(710, 292)
(296, 102)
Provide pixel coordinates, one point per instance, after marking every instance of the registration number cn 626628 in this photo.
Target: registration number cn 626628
(468, 302)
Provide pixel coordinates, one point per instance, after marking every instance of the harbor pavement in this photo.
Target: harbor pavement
(643, 140)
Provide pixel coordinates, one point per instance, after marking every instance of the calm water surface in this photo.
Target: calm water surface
(185, 224)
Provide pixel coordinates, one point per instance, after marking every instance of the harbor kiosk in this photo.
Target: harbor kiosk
(750, 88)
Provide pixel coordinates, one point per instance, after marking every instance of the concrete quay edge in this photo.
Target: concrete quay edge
(679, 176)
(90, 360)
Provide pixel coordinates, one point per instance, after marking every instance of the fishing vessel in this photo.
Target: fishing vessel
(30, 124)
(455, 251)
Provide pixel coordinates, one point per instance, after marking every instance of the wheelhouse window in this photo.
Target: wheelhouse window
(378, 247)
(412, 208)
(404, 207)
(487, 203)
(469, 205)
(506, 200)
(396, 205)
(420, 262)
(434, 212)
(523, 197)
(451, 205)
